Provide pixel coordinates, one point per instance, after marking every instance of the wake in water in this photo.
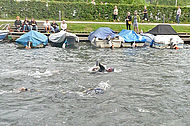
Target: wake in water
(12, 73)
(47, 73)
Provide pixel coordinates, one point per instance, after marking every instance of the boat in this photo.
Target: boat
(4, 31)
(105, 37)
(32, 39)
(132, 39)
(63, 39)
(3, 34)
(166, 37)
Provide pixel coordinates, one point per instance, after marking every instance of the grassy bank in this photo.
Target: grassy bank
(117, 27)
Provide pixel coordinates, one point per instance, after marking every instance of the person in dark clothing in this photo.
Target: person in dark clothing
(18, 24)
(145, 12)
(102, 68)
(26, 25)
(33, 25)
(55, 26)
(128, 21)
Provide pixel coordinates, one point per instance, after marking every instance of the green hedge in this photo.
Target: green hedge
(107, 1)
(85, 11)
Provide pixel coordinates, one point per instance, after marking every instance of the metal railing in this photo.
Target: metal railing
(4, 26)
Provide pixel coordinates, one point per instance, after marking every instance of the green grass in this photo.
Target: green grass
(117, 27)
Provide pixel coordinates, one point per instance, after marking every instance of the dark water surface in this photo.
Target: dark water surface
(151, 87)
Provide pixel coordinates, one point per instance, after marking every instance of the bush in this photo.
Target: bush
(86, 11)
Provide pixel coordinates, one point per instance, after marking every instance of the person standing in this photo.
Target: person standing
(93, 2)
(145, 12)
(128, 21)
(115, 14)
(136, 19)
(18, 24)
(178, 15)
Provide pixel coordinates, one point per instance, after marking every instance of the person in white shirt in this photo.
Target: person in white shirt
(48, 27)
(63, 25)
(93, 2)
(178, 15)
(115, 13)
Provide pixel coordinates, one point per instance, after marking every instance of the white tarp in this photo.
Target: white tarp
(168, 39)
(60, 36)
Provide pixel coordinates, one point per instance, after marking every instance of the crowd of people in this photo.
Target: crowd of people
(135, 19)
(27, 25)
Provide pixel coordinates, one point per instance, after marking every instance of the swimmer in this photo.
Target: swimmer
(23, 89)
(94, 91)
(101, 68)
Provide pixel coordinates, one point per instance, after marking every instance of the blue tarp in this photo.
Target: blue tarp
(102, 33)
(33, 36)
(131, 36)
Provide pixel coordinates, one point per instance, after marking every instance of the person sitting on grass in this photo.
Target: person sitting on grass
(48, 27)
(135, 21)
(63, 25)
(26, 25)
(55, 26)
(18, 24)
(33, 24)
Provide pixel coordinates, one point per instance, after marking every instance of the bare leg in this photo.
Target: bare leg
(137, 30)
(46, 28)
(134, 28)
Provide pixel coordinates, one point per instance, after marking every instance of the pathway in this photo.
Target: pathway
(90, 22)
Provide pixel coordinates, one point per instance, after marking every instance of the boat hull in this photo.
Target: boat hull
(38, 46)
(132, 44)
(3, 34)
(116, 42)
(168, 41)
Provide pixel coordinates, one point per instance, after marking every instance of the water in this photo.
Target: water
(150, 87)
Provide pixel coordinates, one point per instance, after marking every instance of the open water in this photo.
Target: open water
(150, 87)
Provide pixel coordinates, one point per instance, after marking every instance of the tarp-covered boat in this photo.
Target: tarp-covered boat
(3, 34)
(149, 39)
(131, 38)
(105, 37)
(166, 37)
(63, 39)
(32, 39)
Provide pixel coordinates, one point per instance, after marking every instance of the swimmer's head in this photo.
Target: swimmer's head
(23, 89)
(110, 69)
